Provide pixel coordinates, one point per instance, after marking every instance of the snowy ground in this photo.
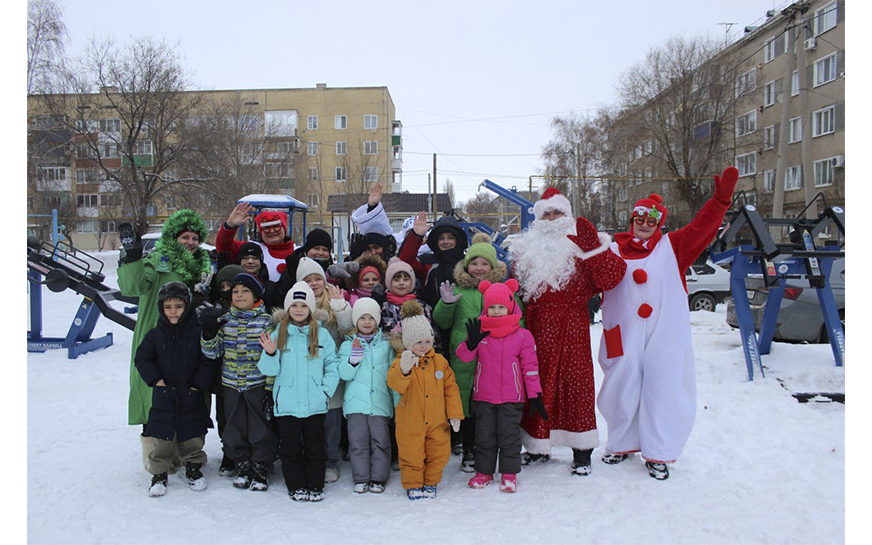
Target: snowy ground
(759, 467)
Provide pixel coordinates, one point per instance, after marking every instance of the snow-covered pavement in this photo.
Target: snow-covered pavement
(759, 467)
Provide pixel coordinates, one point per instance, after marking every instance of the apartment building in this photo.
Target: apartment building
(309, 143)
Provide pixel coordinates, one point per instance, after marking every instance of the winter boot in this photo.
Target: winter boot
(468, 462)
(259, 477)
(377, 487)
(361, 488)
(316, 494)
(457, 449)
(243, 475)
(581, 461)
(193, 477)
(300, 494)
(429, 492)
(613, 459)
(331, 475)
(527, 458)
(158, 485)
(509, 482)
(480, 480)
(657, 470)
(414, 493)
(395, 465)
(227, 467)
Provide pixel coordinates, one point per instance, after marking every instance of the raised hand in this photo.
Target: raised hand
(586, 236)
(335, 293)
(455, 424)
(240, 214)
(356, 245)
(209, 317)
(356, 344)
(726, 184)
(474, 333)
(407, 360)
(336, 270)
(446, 290)
(268, 345)
(375, 195)
(420, 226)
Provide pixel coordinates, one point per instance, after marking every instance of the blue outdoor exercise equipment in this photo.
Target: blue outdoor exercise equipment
(498, 239)
(279, 203)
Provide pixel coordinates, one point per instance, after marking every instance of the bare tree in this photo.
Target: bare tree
(574, 153)
(448, 187)
(484, 208)
(46, 39)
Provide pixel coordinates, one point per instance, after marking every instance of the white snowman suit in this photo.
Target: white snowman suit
(648, 393)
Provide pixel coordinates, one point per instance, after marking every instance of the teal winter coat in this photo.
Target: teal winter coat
(303, 384)
(366, 384)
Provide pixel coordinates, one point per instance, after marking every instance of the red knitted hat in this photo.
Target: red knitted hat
(652, 206)
(499, 293)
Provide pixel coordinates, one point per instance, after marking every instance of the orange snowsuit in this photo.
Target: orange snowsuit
(429, 398)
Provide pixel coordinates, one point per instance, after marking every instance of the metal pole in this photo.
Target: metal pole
(434, 188)
(780, 167)
(54, 226)
(805, 146)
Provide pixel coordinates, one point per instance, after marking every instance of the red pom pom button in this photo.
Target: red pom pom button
(640, 276)
(645, 310)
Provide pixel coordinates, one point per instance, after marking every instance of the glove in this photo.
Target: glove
(585, 236)
(474, 333)
(378, 294)
(390, 247)
(209, 315)
(538, 406)
(455, 424)
(356, 245)
(268, 405)
(131, 241)
(203, 286)
(725, 184)
(446, 289)
(407, 360)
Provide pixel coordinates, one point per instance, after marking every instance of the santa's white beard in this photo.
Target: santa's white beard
(543, 257)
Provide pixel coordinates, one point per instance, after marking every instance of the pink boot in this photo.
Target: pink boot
(509, 483)
(480, 480)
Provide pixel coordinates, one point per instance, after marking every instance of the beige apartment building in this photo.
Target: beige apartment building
(308, 143)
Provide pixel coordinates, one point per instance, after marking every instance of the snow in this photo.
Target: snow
(759, 467)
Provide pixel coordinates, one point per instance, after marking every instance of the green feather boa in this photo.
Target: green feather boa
(190, 267)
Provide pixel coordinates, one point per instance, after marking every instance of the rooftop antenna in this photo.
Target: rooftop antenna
(726, 32)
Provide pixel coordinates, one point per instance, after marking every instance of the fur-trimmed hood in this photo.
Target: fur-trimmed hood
(463, 279)
(367, 260)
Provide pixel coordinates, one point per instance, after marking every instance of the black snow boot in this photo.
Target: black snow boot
(657, 470)
(467, 464)
(527, 458)
(193, 477)
(227, 467)
(612, 459)
(259, 477)
(243, 474)
(158, 485)
(581, 461)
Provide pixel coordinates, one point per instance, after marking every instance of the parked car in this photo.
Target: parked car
(707, 285)
(149, 240)
(800, 317)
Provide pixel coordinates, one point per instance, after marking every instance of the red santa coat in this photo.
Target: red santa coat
(560, 325)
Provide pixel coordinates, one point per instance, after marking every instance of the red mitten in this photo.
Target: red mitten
(725, 184)
(586, 236)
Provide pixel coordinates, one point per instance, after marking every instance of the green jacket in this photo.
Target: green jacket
(454, 316)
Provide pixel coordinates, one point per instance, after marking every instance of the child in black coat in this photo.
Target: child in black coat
(170, 361)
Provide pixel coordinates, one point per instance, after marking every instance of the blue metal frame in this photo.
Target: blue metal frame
(290, 207)
(512, 196)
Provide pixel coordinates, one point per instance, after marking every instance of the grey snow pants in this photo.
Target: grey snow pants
(498, 428)
(369, 447)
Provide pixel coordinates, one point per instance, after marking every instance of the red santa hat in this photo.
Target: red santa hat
(498, 294)
(552, 199)
(652, 207)
(269, 218)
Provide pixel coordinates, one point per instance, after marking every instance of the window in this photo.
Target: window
(638, 177)
(370, 122)
(649, 147)
(793, 178)
(794, 130)
(170, 202)
(110, 199)
(53, 174)
(109, 151)
(86, 201)
(279, 170)
(108, 226)
(370, 174)
(622, 216)
(312, 148)
(340, 174)
(823, 173)
(648, 172)
(794, 84)
(769, 137)
(825, 70)
(312, 123)
(823, 121)
(622, 194)
(768, 181)
(746, 123)
(142, 147)
(110, 125)
(824, 18)
(340, 122)
(87, 226)
(750, 198)
(769, 50)
(341, 148)
(314, 200)
(370, 147)
(622, 169)
(770, 94)
(86, 125)
(747, 164)
(248, 123)
(747, 82)
(87, 176)
(313, 174)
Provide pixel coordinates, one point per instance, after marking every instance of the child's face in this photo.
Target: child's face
(224, 285)
(446, 241)
(318, 252)
(250, 264)
(243, 298)
(299, 312)
(422, 347)
(495, 311)
(479, 267)
(369, 281)
(316, 282)
(375, 249)
(366, 324)
(401, 284)
(173, 309)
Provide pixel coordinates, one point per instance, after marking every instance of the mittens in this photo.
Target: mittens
(455, 424)
(131, 241)
(474, 333)
(208, 316)
(726, 184)
(407, 360)
(586, 236)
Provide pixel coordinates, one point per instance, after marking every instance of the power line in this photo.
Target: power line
(467, 120)
(484, 154)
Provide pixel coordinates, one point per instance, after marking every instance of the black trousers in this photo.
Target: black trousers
(498, 429)
(302, 451)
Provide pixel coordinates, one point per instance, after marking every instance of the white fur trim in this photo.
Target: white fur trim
(605, 242)
(270, 223)
(556, 202)
(560, 438)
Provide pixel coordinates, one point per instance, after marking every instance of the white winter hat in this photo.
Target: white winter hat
(309, 266)
(552, 199)
(365, 305)
(301, 292)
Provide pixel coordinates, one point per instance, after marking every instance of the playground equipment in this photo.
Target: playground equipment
(526, 217)
(60, 266)
(280, 203)
(778, 262)
(56, 230)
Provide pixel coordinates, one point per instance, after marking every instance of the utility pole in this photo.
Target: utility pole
(433, 210)
(807, 122)
(783, 132)
(726, 32)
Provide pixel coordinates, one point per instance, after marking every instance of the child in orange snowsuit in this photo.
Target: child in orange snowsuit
(430, 400)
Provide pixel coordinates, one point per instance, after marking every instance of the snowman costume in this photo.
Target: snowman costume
(648, 393)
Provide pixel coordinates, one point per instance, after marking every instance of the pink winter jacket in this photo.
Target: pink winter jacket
(507, 370)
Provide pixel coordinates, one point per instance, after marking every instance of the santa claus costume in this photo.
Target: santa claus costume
(648, 394)
(273, 254)
(560, 264)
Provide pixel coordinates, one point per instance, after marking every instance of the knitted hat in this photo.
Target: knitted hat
(228, 273)
(396, 265)
(498, 293)
(374, 238)
(650, 207)
(268, 218)
(249, 281)
(250, 249)
(552, 199)
(416, 326)
(365, 305)
(184, 220)
(481, 247)
(309, 266)
(300, 292)
(317, 237)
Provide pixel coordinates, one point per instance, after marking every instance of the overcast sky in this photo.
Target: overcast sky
(451, 67)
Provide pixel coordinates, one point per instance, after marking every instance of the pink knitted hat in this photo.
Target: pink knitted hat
(396, 265)
(499, 293)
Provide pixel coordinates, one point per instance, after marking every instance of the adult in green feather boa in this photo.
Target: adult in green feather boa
(177, 257)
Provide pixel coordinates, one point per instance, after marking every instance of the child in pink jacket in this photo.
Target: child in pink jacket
(506, 375)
